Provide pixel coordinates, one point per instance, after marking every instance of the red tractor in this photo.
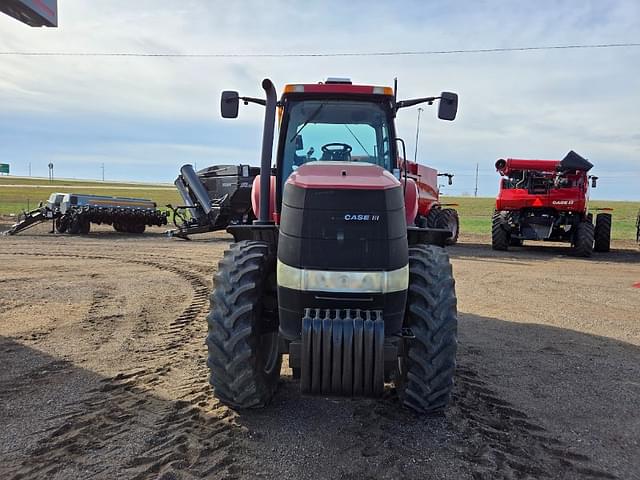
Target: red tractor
(547, 200)
(430, 211)
(334, 272)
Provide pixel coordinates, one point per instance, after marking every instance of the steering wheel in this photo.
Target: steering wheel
(337, 151)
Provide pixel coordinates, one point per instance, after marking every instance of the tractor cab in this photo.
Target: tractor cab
(336, 121)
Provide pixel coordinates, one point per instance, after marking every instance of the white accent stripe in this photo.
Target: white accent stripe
(342, 281)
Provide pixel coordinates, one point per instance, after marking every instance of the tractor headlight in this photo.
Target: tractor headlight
(346, 282)
(289, 277)
(397, 280)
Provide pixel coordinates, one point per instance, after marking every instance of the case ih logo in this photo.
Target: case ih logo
(352, 217)
(562, 202)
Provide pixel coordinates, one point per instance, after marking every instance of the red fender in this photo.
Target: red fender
(255, 198)
(410, 201)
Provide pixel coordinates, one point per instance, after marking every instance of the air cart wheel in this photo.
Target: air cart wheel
(138, 228)
(425, 370)
(244, 358)
(446, 218)
(85, 226)
(75, 224)
(515, 242)
(62, 224)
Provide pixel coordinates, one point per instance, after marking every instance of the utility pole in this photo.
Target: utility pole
(415, 155)
(102, 171)
(29, 168)
(475, 192)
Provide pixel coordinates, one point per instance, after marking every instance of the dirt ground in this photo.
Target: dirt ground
(103, 372)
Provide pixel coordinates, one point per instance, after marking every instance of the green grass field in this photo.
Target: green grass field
(475, 213)
(11, 180)
(14, 199)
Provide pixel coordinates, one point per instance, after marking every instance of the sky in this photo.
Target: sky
(145, 117)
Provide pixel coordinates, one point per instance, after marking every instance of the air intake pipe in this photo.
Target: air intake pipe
(190, 177)
(510, 164)
(267, 148)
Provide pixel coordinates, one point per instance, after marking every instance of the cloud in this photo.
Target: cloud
(530, 104)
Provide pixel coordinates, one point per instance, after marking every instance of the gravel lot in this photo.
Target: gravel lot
(103, 372)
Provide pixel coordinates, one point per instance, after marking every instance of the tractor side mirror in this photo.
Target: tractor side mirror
(448, 106)
(594, 181)
(299, 143)
(449, 177)
(229, 103)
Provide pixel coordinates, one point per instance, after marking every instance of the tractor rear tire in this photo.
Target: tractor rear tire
(583, 239)
(244, 357)
(500, 236)
(446, 218)
(602, 233)
(426, 370)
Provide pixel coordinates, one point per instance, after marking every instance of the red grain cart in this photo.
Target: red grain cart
(431, 212)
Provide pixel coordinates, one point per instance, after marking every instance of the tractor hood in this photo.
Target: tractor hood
(343, 175)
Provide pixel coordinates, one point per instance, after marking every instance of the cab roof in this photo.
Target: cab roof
(336, 87)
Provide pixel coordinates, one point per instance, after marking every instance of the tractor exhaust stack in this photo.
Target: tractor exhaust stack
(267, 149)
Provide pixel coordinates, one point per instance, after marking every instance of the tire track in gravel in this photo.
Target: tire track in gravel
(193, 436)
(96, 323)
(490, 435)
(185, 434)
(501, 441)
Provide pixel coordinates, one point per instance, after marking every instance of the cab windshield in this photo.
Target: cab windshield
(336, 130)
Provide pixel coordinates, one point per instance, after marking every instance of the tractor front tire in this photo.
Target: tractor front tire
(244, 357)
(426, 369)
(602, 232)
(583, 239)
(500, 237)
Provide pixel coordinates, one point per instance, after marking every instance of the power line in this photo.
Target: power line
(321, 54)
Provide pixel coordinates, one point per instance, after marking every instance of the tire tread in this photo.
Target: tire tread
(432, 317)
(232, 340)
